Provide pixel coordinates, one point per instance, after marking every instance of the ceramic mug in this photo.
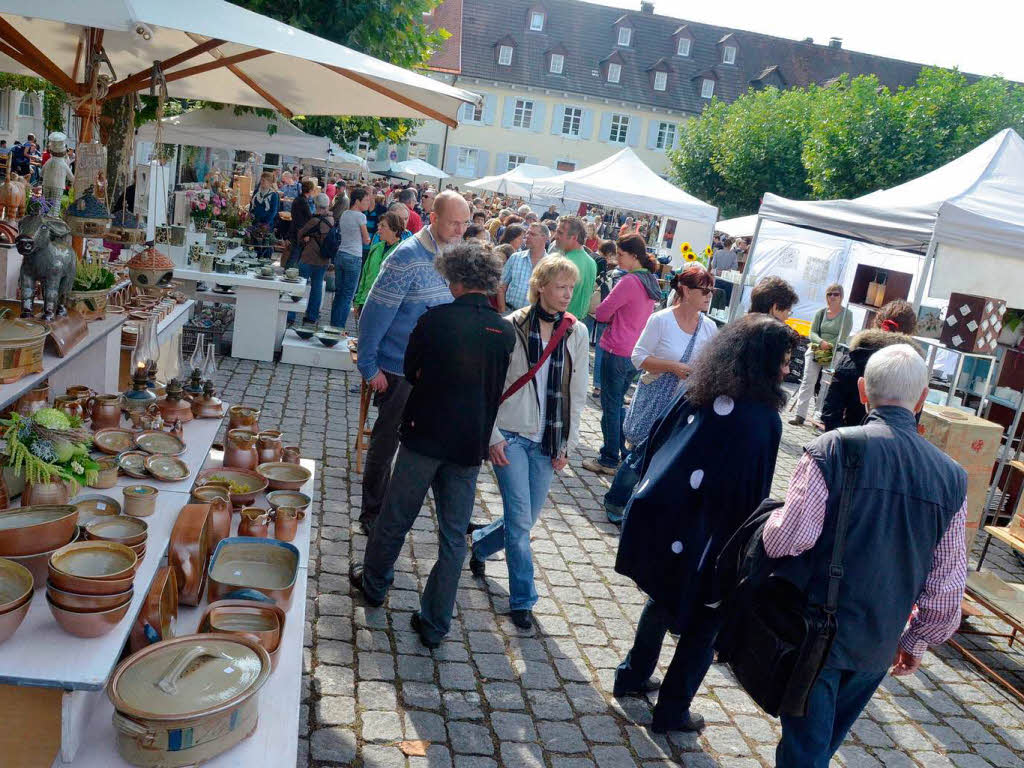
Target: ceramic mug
(80, 393)
(254, 522)
(291, 454)
(291, 273)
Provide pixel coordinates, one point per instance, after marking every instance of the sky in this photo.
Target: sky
(977, 36)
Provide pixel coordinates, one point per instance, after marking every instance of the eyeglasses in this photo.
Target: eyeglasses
(706, 291)
(830, 295)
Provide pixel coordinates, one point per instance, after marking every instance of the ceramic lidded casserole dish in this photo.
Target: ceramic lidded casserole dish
(245, 562)
(35, 529)
(186, 700)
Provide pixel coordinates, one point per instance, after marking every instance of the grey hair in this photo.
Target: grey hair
(323, 202)
(524, 209)
(471, 264)
(896, 375)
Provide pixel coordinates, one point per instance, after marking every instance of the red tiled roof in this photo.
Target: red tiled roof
(448, 16)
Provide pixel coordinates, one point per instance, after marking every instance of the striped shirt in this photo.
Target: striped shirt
(795, 527)
(516, 274)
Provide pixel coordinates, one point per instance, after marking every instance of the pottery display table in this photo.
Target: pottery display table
(311, 352)
(255, 328)
(284, 307)
(166, 335)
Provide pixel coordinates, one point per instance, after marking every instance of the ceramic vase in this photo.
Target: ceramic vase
(53, 492)
(269, 446)
(240, 449)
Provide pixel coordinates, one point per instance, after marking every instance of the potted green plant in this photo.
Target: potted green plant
(50, 451)
(90, 290)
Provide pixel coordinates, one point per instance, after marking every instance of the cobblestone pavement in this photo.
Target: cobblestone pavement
(492, 695)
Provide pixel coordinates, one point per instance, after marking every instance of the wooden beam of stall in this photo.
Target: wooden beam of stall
(261, 91)
(384, 90)
(128, 84)
(199, 69)
(41, 64)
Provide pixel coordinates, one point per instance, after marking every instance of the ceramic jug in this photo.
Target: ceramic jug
(254, 522)
(240, 449)
(220, 518)
(105, 411)
(69, 406)
(286, 523)
(269, 446)
(36, 398)
(291, 454)
(244, 416)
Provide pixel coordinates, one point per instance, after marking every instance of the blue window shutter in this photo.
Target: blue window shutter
(508, 112)
(557, 119)
(633, 132)
(501, 162)
(539, 110)
(433, 150)
(482, 160)
(587, 124)
(490, 104)
(606, 126)
(451, 157)
(403, 152)
(652, 134)
(382, 153)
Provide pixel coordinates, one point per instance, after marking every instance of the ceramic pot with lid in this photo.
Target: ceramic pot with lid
(240, 449)
(206, 686)
(70, 406)
(291, 454)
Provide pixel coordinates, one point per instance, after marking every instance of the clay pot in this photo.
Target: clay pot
(220, 514)
(105, 411)
(106, 476)
(187, 552)
(53, 492)
(268, 446)
(240, 450)
(69, 406)
(140, 500)
(286, 523)
(254, 522)
(80, 393)
(33, 400)
(291, 454)
(244, 416)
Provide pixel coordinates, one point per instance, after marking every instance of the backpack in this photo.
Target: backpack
(330, 242)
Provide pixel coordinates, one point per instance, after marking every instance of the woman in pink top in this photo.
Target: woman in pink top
(626, 311)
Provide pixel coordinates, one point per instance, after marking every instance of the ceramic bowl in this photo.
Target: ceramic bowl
(158, 442)
(284, 476)
(264, 621)
(121, 529)
(133, 463)
(304, 332)
(10, 621)
(16, 585)
(73, 601)
(106, 476)
(86, 586)
(328, 340)
(265, 565)
(255, 483)
(88, 623)
(289, 499)
(95, 506)
(105, 560)
(112, 440)
(38, 565)
(140, 500)
(331, 330)
(204, 494)
(168, 468)
(35, 529)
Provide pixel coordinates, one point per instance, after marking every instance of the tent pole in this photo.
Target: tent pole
(736, 300)
(926, 270)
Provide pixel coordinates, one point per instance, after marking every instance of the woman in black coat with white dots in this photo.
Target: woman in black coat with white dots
(708, 465)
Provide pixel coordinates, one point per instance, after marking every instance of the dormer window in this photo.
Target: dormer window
(707, 88)
(660, 81)
(729, 54)
(557, 64)
(505, 55)
(536, 21)
(614, 72)
(683, 45)
(625, 36)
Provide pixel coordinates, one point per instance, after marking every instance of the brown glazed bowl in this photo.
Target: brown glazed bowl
(284, 476)
(16, 585)
(105, 560)
(256, 482)
(10, 621)
(88, 623)
(122, 529)
(38, 565)
(73, 601)
(31, 530)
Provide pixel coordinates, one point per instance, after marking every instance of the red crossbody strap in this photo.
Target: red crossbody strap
(562, 329)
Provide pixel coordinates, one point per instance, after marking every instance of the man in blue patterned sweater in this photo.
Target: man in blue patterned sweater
(407, 286)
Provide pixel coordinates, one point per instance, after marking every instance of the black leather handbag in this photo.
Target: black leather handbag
(775, 641)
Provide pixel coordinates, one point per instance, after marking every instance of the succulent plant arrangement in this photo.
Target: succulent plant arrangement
(93, 277)
(48, 445)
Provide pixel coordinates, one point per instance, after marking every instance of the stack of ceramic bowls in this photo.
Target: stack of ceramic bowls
(29, 535)
(120, 529)
(16, 588)
(90, 586)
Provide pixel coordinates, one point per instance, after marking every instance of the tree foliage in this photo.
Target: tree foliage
(54, 99)
(844, 140)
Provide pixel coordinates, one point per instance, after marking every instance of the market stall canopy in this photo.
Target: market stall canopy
(741, 226)
(517, 182)
(417, 167)
(223, 129)
(624, 181)
(974, 201)
(212, 50)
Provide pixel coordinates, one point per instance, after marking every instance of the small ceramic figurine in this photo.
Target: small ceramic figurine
(45, 244)
(56, 172)
(176, 429)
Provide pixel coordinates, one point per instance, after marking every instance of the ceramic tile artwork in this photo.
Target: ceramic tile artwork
(974, 325)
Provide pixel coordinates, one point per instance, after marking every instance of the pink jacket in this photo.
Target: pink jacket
(626, 311)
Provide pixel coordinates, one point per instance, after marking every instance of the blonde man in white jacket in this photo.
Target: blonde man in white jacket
(537, 425)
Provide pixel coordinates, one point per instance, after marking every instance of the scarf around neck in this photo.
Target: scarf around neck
(553, 435)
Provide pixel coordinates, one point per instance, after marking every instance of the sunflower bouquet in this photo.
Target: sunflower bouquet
(48, 445)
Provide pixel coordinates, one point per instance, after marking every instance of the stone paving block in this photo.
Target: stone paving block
(438, 756)
(613, 757)
(425, 725)
(494, 666)
(336, 745)
(421, 695)
(377, 695)
(457, 676)
(336, 710)
(415, 668)
(524, 755)
(561, 737)
(375, 756)
(467, 738)
(504, 696)
(512, 726)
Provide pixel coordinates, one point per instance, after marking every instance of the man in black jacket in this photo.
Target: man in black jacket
(456, 361)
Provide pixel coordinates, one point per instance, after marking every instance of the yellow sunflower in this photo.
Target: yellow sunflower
(689, 256)
(708, 252)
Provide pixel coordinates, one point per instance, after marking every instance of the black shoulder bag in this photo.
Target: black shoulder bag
(781, 640)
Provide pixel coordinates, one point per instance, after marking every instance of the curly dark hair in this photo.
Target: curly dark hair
(771, 291)
(473, 265)
(897, 316)
(744, 361)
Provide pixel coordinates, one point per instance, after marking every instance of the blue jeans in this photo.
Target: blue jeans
(617, 374)
(454, 487)
(598, 353)
(346, 279)
(835, 703)
(524, 486)
(315, 275)
(625, 480)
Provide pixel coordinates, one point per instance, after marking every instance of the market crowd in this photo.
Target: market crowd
(475, 325)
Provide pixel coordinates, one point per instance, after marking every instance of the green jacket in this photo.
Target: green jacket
(371, 268)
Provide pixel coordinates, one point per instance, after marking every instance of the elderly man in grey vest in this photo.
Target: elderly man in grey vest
(905, 554)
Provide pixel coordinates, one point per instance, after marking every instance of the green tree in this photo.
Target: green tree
(690, 164)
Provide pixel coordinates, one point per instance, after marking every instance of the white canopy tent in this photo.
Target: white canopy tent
(336, 157)
(416, 167)
(518, 182)
(967, 217)
(223, 129)
(741, 226)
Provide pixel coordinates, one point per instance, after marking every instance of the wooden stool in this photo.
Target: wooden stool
(362, 433)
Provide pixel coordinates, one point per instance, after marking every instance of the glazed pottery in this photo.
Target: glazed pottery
(327, 339)
(220, 513)
(205, 685)
(265, 565)
(133, 464)
(254, 522)
(289, 499)
(140, 500)
(286, 523)
(157, 441)
(174, 406)
(291, 454)
(88, 623)
(282, 475)
(240, 449)
(105, 411)
(254, 483)
(106, 560)
(30, 530)
(16, 585)
(187, 552)
(95, 506)
(269, 447)
(112, 440)
(82, 393)
(72, 601)
(39, 565)
(167, 468)
(243, 416)
(10, 621)
(156, 619)
(70, 406)
(36, 398)
(304, 332)
(264, 621)
(53, 492)
(106, 475)
(129, 531)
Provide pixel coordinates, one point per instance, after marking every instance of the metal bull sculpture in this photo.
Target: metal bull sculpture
(45, 244)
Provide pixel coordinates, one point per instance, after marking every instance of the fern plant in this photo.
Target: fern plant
(48, 446)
